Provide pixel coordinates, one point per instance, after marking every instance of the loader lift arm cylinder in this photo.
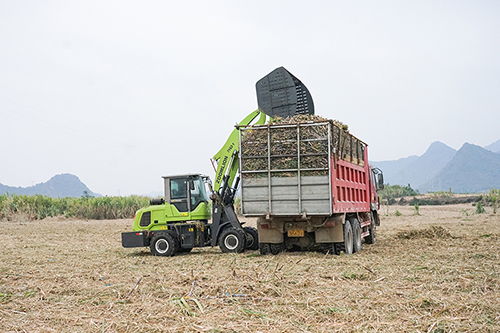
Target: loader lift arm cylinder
(224, 157)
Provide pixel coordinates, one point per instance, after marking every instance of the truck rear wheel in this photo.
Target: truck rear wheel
(271, 248)
(264, 248)
(163, 245)
(252, 238)
(356, 233)
(232, 240)
(347, 245)
(277, 248)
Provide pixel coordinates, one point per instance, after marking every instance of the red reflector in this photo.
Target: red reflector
(329, 224)
(139, 233)
(264, 226)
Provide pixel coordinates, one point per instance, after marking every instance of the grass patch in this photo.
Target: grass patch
(37, 207)
(431, 232)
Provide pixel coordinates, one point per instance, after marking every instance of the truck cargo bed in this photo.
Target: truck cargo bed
(310, 168)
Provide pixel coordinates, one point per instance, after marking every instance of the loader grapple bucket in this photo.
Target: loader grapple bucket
(281, 94)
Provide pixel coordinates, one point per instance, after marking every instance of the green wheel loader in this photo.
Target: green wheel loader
(181, 221)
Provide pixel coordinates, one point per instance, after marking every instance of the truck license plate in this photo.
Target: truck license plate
(295, 233)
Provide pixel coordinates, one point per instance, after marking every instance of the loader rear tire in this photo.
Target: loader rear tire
(232, 240)
(252, 238)
(163, 245)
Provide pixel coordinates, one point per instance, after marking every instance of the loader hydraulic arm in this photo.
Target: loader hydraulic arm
(227, 158)
(279, 94)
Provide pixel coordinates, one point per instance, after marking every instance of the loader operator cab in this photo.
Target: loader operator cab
(185, 192)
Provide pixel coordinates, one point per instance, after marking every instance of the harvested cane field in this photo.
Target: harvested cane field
(433, 272)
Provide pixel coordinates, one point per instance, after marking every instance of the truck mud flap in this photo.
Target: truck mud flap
(135, 239)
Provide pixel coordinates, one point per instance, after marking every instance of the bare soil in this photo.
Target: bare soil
(433, 272)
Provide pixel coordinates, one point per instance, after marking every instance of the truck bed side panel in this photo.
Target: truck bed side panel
(288, 197)
(350, 188)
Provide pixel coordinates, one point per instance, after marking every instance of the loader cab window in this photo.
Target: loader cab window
(178, 194)
(187, 194)
(198, 193)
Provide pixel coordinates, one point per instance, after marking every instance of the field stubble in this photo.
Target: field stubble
(433, 272)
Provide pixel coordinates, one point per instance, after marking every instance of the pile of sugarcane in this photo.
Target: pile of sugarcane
(306, 118)
(286, 157)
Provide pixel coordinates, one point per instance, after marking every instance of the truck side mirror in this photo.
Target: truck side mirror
(380, 179)
(191, 185)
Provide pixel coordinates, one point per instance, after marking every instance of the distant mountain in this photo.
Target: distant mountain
(417, 170)
(473, 169)
(59, 186)
(429, 164)
(494, 147)
(394, 170)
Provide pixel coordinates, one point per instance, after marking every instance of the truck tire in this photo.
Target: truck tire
(347, 245)
(372, 237)
(270, 248)
(252, 238)
(264, 248)
(356, 235)
(277, 248)
(232, 240)
(163, 245)
(329, 248)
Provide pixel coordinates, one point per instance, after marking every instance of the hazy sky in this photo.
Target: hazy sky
(121, 93)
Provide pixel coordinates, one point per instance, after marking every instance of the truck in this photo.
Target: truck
(296, 204)
(309, 183)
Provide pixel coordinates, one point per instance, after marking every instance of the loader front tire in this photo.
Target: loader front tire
(252, 238)
(163, 245)
(232, 240)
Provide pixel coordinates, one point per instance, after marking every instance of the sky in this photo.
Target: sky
(121, 93)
